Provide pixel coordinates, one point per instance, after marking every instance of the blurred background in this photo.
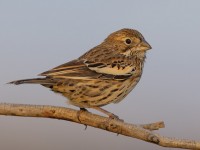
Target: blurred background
(38, 35)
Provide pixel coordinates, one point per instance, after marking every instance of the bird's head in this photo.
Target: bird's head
(128, 42)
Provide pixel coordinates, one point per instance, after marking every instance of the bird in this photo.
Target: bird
(105, 74)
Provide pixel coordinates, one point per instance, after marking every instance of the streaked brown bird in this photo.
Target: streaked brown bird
(103, 75)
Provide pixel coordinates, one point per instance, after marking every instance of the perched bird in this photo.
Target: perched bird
(103, 75)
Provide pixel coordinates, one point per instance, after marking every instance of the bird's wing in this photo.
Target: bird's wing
(85, 69)
(75, 69)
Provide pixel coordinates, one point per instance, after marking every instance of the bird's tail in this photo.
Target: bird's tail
(43, 81)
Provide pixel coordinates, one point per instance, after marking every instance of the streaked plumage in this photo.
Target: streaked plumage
(103, 75)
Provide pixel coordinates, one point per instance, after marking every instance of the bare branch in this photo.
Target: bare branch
(142, 132)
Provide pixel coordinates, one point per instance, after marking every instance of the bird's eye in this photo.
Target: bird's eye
(128, 41)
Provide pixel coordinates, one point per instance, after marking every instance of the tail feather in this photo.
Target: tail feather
(43, 81)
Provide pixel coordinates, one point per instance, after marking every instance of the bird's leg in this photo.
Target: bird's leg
(79, 113)
(111, 115)
(83, 109)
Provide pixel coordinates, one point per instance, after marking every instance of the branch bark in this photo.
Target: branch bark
(142, 132)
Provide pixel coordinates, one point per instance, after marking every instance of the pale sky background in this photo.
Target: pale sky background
(36, 35)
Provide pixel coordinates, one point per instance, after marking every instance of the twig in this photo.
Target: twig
(142, 132)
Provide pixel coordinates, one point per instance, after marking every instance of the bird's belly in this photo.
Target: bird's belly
(129, 86)
(92, 93)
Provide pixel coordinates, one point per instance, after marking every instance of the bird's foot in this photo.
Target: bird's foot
(111, 115)
(115, 117)
(79, 114)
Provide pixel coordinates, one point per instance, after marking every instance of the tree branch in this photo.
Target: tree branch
(142, 132)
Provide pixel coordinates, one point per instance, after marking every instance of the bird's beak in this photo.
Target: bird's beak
(144, 46)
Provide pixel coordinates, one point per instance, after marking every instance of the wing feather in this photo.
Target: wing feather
(84, 69)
